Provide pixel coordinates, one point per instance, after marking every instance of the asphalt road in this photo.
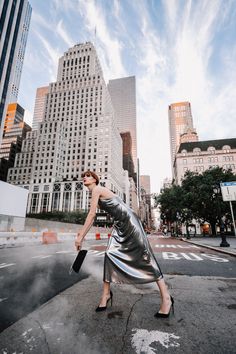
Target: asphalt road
(32, 275)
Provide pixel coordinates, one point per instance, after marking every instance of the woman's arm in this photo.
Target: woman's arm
(90, 218)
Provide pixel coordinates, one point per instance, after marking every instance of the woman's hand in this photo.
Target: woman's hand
(78, 242)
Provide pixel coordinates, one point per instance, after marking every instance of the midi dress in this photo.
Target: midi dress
(128, 257)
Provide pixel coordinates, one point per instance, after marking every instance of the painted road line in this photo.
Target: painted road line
(63, 252)
(193, 257)
(142, 340)
(42, 256)
(176, 246)
(3, 299)
(100, 254)
(5, 265)
(92, 251)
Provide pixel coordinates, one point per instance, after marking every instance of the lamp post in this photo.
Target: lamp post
(217, 192)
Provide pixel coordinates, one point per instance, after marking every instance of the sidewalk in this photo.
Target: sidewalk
(214, 243)
(204, 308)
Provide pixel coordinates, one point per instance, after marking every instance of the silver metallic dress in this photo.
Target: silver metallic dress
(129, 257)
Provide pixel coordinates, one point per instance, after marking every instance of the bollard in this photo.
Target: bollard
(97, 235)
(49, 238)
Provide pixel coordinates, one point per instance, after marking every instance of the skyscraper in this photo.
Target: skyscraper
(15, 130)
(123, 96)
(78, 132)
(14, 26)
(39, 107)
(180, 122)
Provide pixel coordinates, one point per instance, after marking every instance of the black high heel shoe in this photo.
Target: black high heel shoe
(103, 308)
(166, 315)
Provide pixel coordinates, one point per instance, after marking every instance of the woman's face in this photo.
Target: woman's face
(88, 179)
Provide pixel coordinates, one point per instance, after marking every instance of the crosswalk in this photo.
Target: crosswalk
(63, 252)
(5, 265)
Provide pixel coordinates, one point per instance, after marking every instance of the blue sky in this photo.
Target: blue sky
(179, 50)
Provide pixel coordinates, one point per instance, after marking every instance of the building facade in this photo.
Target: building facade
(123, 96)
(202, 155)
(180, 121)
(15, 130)
(14, 27)
(145, 205)
(40, 106)
(78, 132)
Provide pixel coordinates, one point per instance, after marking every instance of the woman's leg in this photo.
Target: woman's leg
(105, 294)
(165, 296)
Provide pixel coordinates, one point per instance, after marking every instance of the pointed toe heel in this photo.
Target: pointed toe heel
(103, 308)
(166, 315)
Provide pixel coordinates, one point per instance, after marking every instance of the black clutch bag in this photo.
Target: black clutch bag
(78, 261)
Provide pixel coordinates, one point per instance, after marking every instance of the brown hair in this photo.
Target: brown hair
(91, 173)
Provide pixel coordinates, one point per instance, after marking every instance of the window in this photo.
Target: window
(197, 151)
(211, 150)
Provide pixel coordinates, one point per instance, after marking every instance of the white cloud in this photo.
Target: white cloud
(109, 48)
(171, 64)
(64, 35)
(53, 55)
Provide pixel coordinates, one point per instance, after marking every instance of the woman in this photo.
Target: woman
(128, 257)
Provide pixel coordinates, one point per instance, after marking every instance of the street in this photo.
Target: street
(32, 275)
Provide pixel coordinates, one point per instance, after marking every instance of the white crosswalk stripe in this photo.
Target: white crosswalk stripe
(63, 252)
(5, 265)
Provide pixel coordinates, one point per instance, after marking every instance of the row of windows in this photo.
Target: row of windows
(202, 168)
(210, 149)
(209, 159)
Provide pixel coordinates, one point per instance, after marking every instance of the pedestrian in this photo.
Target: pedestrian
(128, 257)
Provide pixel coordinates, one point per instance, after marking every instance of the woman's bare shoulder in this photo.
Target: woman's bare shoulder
(103, 192)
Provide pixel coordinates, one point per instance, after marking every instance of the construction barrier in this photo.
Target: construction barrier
(98, 236)
(49, 237)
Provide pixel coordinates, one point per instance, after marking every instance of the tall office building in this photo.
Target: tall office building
(15, 130)
(145, 183)
(123, 96)
(180, 122)
(145, 202)
(39, 106)
(78, 132)
(128, 163)
(14, 27)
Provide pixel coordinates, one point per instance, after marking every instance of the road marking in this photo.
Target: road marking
(142, 340)
(100, 254)
(5, 265)
(42, 256)
(193, 257)
(92, 251)
(63, 252)
(176, 246)
(3, 299)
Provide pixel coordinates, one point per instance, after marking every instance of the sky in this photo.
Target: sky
(178, 50)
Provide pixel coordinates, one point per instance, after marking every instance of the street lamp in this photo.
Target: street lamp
(217, 192)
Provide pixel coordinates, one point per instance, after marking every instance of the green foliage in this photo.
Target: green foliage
(195, 198)
(73, 217)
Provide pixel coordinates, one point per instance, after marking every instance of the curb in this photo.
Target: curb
(210, 247)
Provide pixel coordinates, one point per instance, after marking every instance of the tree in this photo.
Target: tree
(200, 197)
(195, 198)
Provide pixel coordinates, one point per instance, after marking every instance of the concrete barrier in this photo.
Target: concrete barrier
(49, 238)
(28, 238)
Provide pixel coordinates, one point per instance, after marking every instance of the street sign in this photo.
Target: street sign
(228, 190)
